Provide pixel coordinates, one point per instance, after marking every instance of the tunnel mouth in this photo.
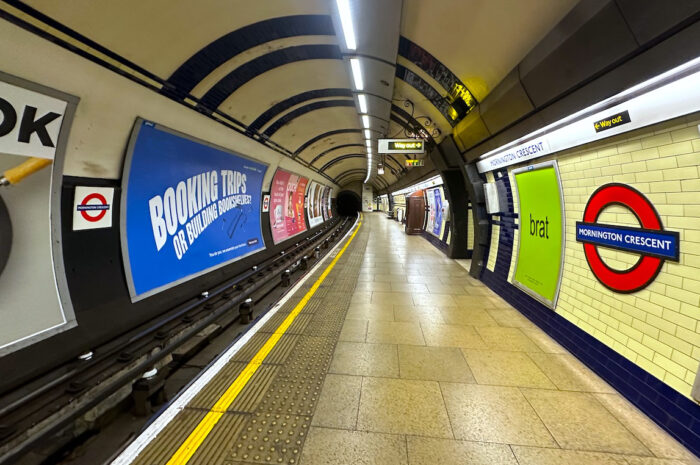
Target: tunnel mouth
(349, 203)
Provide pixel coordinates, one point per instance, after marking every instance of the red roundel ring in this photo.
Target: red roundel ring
(646, 269)
(100, 214)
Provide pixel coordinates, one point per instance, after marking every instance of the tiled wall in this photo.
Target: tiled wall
(657, 329)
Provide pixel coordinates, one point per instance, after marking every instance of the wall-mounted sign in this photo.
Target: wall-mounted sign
(92, 208)
(410, 163)
(649, 240)
(287, 205)
(663, 100)
(401, 146)
(540, 258)
(29, 122)
(612, 121)
(187, 208)
(266, 203)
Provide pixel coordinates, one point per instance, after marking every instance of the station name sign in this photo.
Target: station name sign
(401, 146)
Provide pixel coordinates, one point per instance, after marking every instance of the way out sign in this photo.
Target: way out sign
(30, 122)
(92, 208)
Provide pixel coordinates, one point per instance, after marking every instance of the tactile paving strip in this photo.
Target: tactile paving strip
(270, 419)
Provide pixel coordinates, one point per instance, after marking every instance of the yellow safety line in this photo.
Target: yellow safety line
(200, 433)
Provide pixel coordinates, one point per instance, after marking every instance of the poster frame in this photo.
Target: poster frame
(270, 211)
(136, 130)
(538, 166)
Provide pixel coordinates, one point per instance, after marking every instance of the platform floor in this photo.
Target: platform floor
(400, 357)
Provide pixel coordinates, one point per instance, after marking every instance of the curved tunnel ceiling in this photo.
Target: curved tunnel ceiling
(276, 69)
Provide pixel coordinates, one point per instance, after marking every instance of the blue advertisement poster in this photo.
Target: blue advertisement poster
(187, 208)
(438, 212)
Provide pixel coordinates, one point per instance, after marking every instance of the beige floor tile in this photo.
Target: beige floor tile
(403, 407)
(500, 338)
(544, 341)
(434, 364)
(434, 299)
(649, 433)
(354, 330)
(506, 369)
(339, 402)
(361, 297)
(339, 447)
(357, 358)
(636, 460)
(390, 278)
(372, 286)
(539, 456)
(569, 374)
(482, 291)
(382, 312)
(510, 318)
(429, 451)
(446, 289)
(365, 277)
(392, 298)
(494, 414)
(578, 421)
(452, 336)
(415, 288)
(422, 279)
(395, 332)
(417, 314)
(466, 316)
(470, 302)
(498, 302)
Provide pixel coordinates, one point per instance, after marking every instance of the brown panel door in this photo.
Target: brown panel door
(415, 214)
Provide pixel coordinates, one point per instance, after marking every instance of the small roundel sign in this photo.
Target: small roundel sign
(653, 244)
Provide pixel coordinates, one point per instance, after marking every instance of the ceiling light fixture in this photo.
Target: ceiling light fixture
(346, 22)
(368, 134)
(365, 121)
(368, 143)
(362, 98)
(357, 73)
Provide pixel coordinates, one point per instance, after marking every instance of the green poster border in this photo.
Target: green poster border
(547, 164)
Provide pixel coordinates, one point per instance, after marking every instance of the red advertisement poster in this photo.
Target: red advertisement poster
(287, 205)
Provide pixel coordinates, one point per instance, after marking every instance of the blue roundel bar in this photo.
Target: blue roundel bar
(662, 244)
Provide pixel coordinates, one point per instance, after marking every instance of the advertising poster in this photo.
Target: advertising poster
(287, 205)
(324, 203)
(430, 201)
(438, 211)
(314, 204)
(187, 208)
(541, 247)
(329, 210)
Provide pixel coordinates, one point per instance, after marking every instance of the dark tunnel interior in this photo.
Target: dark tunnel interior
(349, 203)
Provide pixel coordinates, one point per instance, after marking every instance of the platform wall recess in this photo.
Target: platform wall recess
(658, 327)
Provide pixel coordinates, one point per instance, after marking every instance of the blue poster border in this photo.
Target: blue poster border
(138, 124)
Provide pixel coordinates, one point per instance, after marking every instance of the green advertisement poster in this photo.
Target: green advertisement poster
(541, 248)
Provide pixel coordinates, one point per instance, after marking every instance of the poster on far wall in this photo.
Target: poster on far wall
(328, 204)
(324, 202)
(437, 226)
(287, 205)
(187, 208)
(314, 205)
(430, 201)
(540, 258)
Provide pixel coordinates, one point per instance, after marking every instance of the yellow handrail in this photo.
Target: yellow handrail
(21, 171)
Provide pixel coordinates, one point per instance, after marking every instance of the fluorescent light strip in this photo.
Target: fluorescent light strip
(365, 121)
(368, 143)
(368, 134)
(346, 22)
(357, 73)
(362, 98)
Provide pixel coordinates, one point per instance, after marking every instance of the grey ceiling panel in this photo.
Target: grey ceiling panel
(577, 56)
(506, 103)
(650, 18)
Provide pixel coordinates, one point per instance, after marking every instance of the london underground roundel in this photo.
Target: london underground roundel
(649, 240)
